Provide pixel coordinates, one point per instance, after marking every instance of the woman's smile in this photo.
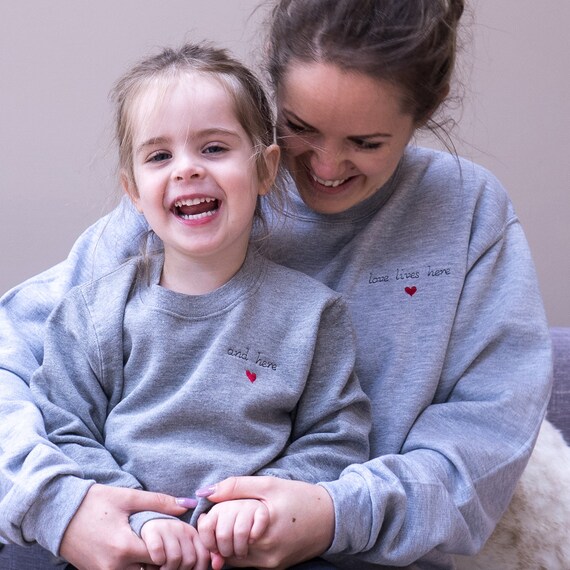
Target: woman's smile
(343, 133)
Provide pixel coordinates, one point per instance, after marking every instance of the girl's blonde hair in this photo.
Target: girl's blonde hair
(251, 105)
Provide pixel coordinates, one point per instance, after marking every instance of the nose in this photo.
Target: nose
(328, 161)
(187, 168)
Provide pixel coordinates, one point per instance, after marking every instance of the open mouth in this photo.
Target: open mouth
(328, 183)
(332, 184)
(196, 208)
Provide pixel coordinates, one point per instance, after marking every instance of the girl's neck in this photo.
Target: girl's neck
(198, 276)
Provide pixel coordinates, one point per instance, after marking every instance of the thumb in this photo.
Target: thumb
(233, 488)
(134, 501)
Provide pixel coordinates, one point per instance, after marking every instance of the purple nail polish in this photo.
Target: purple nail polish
(186, 502)
(206, 491)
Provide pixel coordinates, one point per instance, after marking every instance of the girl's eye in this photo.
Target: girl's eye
(159, 156)
(214, 149)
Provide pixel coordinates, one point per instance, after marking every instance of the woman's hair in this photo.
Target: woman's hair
(251, 105)
(410, 43)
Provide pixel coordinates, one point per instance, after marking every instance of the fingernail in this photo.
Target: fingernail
(206, 491)
(186, 502)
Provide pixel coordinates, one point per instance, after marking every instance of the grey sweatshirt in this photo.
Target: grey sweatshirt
(147, 388)
(452, 348)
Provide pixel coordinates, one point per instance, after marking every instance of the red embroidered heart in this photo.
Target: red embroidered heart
(251, 375)
(411, 291)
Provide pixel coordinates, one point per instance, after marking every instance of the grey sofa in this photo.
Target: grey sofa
(34, 558)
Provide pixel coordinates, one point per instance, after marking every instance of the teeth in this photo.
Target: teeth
(193, 202)
(328, 183)
(197, 216)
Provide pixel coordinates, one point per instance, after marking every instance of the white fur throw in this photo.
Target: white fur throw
(534, 533)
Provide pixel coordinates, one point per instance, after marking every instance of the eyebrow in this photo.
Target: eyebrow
(153, 141)
(352, 137)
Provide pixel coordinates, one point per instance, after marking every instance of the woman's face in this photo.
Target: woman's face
(343, 133)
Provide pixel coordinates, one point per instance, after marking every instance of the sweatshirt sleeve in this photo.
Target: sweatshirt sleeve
(332, 422)
(29, 463)
(463, 456)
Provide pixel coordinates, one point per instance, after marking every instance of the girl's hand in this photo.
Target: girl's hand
(99, 536)
(174, 545)
(228, 528)
(301, 519)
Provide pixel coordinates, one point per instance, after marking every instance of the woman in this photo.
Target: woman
(453, 347)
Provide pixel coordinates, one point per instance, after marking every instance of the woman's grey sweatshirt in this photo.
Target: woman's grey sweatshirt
(452, 347)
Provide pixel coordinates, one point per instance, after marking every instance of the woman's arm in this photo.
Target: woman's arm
(464, 454)
(28, 462)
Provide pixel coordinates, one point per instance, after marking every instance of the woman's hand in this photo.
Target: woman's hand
(301, 518)
(99, 536)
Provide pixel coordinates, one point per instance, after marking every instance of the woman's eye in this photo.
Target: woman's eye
(295, 128)
(159, 156)
(366, 145)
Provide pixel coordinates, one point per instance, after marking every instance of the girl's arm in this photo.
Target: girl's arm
(331, 426)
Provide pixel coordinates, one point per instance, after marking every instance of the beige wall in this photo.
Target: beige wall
(58, 60)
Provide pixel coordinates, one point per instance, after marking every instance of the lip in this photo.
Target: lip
(196, 200)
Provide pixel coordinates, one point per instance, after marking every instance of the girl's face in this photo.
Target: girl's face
(195, 176)
(343, 133)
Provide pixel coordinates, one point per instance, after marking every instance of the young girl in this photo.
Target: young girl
(206, 360)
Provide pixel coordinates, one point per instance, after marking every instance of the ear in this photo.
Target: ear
(130, 190)
(271, 155)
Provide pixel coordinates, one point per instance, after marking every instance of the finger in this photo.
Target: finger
(217, 561)
(136, 549)
(202, 556)
(242, 528)
(155, 546)
(238, 488)
(134, 501)
(260, 523)
(207, 530)
(186, 559)
(225, 534)
(173, 552)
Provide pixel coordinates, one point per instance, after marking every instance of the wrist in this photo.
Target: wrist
(352, 526)
(324, 508)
